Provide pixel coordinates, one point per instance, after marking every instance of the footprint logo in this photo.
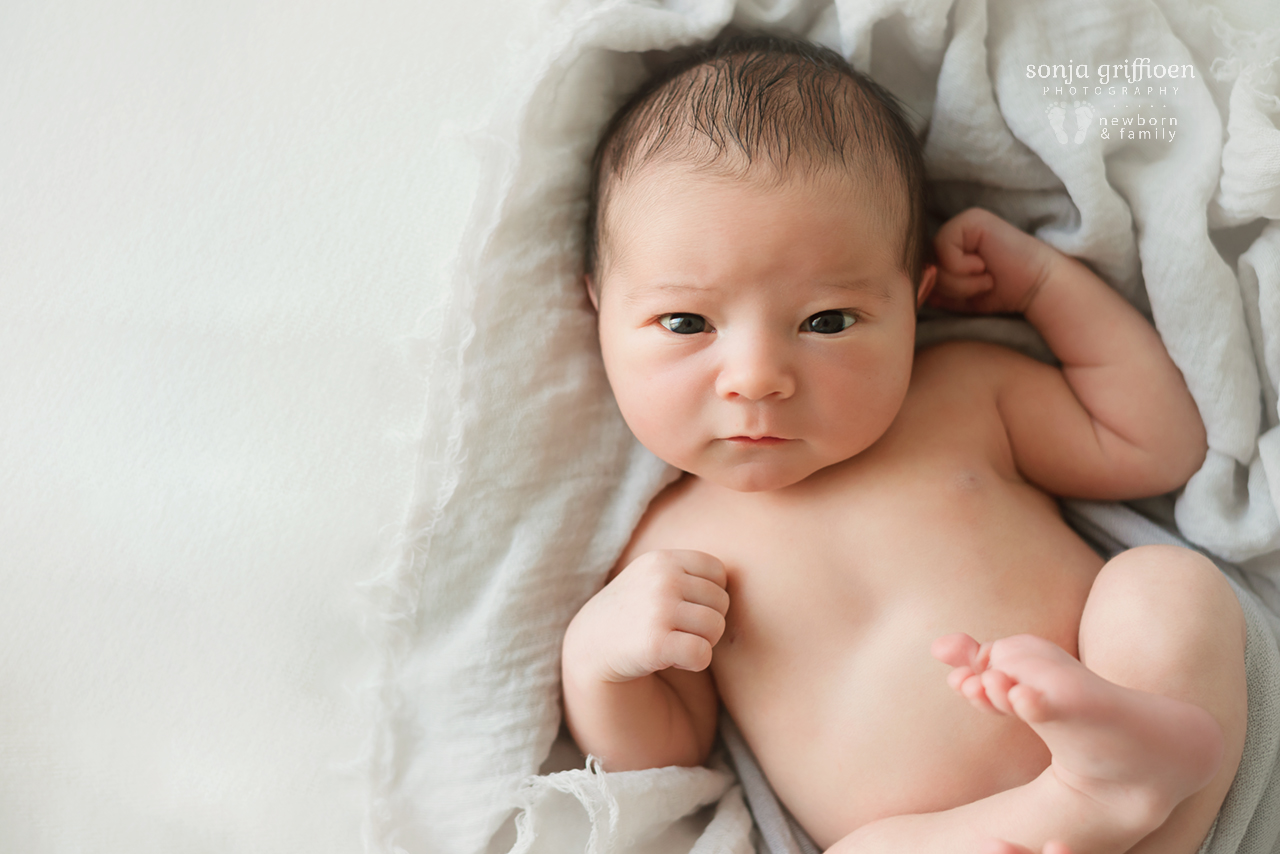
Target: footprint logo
(1084, 118)
(1083, 113)
(1057, 114)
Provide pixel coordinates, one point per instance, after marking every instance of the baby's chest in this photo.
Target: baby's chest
(867, 534)
(848, 567)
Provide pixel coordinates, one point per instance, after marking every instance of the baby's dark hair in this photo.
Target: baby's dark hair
(798, 106)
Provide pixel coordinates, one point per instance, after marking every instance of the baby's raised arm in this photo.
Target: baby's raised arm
(1117, 420)
(637, 693)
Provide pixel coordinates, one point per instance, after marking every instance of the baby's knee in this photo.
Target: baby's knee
(1161, 559)
(1178, 587)
(1183, 577)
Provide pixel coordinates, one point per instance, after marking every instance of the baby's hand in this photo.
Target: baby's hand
(986, 265)
(665, 609)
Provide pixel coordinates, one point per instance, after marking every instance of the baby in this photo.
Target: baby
(853, 511)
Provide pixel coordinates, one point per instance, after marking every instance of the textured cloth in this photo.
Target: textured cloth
(530, 484)
(780, 833)
(656, 811)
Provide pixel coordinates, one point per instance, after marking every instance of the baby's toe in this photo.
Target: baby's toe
(956, 649)
(1025, 657)
(957, 677)
(1029, 704)
(997, 684)
(976, 694)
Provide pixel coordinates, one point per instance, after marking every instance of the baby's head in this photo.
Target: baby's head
(756, 250)
(768, 109)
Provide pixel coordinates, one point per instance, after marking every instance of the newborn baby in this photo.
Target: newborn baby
(853, 512)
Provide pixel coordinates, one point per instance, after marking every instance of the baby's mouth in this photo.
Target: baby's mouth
(756, 441)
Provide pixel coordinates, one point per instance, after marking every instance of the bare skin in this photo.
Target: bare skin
(1000, 846)
(855, 515)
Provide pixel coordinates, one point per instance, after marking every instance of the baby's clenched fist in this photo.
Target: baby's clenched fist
(665, 609)
(988, 265)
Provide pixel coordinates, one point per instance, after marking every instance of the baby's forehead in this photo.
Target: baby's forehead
(680, 182)
(674, 226)
(694, 167)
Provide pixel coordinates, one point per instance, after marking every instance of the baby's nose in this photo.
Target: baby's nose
(755, 370)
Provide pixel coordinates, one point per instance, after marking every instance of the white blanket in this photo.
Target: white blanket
(530, 483)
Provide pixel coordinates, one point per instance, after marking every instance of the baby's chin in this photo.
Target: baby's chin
(753, 477)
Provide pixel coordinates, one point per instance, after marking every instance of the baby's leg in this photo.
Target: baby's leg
(1152, 721)
(1135, 737)
(1164, 620)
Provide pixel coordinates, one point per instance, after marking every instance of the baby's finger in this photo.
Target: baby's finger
(684, 651)
(950, 284)
(700, 591)
(699, 620)
(701, 564)
(958, 261)
(955, 245)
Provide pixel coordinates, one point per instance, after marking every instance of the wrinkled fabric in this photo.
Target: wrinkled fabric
(531, 484)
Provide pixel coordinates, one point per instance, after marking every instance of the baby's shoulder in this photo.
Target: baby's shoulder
(954, 401)
(970, 369)
(970, 361)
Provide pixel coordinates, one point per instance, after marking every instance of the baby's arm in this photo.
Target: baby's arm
(1117, 420)
(637, 693)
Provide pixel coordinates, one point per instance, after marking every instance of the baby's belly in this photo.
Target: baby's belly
(832, 683)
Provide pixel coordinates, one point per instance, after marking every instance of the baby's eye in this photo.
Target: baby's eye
(684, 324)
(829, 322)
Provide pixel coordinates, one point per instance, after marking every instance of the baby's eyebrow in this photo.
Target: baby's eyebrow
(634, 295)
(871, 286)
(865, 285)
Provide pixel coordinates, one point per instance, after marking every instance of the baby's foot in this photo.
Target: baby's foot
(1057, 114)
(1084, 118)
(1138, 753)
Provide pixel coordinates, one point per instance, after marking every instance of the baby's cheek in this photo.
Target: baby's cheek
(861, 401)
(660, 421)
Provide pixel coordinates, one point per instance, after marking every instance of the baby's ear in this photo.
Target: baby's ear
(591, 291)
(928, 279)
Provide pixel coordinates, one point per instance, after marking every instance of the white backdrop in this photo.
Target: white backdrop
(221, 229)
(220, 224)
